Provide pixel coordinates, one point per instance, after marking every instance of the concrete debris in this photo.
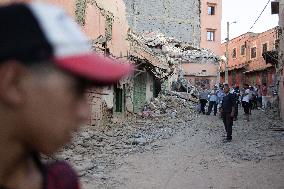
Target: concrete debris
(97, 151)
(166, 55)
(182, 84)
(170, 105)
(172, 50)
(184, 95)
(95, 148)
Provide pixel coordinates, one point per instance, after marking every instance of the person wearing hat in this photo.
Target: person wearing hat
(46, 65)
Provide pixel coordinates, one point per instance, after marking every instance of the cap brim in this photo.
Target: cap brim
(94, 67)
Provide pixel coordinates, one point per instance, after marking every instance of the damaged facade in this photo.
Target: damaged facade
(197, 24)
(246, 62)
(210, 21)
(157, 58)
(105, 24)
(170, 61)
(175, 18)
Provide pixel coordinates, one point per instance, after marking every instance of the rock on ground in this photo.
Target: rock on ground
(181, 151)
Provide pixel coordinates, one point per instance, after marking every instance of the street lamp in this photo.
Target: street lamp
(227, 51)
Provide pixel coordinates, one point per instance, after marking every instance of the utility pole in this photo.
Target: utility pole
(227, 54)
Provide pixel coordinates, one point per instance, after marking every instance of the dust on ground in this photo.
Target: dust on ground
(171, 146)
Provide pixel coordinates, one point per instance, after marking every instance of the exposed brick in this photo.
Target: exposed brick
(175, 18)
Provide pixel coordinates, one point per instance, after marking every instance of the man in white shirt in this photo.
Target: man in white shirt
(245, 101)
(212, 101)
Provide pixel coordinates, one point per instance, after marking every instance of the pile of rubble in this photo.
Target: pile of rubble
(174, 104)
(185, 85)
(95, 149)
(167, 54)
(172, 50)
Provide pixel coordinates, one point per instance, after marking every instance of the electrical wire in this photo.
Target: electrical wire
(259, 15)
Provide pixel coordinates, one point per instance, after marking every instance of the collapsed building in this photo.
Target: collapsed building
(157, 58)
(162, 59)
(159, 70)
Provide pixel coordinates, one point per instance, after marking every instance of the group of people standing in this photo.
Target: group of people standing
(227, 100)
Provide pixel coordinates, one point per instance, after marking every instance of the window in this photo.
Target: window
(211, 10)
(234, 54)
(210, 35)
(253, 52)
(243, 49)
(264, 47)
(277, 44)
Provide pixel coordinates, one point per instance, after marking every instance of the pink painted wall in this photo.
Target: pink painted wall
(194, 70)
(118, 45)
(250, 40)
(95, 21)
(211, 22)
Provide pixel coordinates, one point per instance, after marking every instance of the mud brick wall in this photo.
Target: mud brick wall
(175, 18)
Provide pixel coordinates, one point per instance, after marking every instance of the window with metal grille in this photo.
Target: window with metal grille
(253, 52)
(264, 47)
(243, 49)
(276, 43)
(234, 54)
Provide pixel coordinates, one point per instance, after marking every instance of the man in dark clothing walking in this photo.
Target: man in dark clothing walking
(203, 96)
(228, 111)
(236, 92)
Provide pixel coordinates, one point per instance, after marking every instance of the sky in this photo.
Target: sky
(245, 12)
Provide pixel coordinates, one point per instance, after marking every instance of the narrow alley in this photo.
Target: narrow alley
(180, 151)
(143, 84)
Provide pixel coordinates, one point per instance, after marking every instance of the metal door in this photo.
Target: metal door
(139, 94)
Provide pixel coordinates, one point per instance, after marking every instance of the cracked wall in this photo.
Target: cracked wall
(174, 18)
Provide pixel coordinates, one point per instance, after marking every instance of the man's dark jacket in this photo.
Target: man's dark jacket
(228, 102)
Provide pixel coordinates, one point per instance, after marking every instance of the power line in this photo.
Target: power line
(260, 15)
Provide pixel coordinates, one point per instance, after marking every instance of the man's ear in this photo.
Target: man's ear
(11, 89)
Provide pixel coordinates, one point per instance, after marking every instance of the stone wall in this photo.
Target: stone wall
(175, 18)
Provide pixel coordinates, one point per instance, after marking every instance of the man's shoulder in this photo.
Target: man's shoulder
(61, 173)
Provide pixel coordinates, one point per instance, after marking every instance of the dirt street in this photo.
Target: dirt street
(179, 152)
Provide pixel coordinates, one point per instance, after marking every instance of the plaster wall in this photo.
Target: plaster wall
(213, 23)
(199, 71)
(196, 69)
